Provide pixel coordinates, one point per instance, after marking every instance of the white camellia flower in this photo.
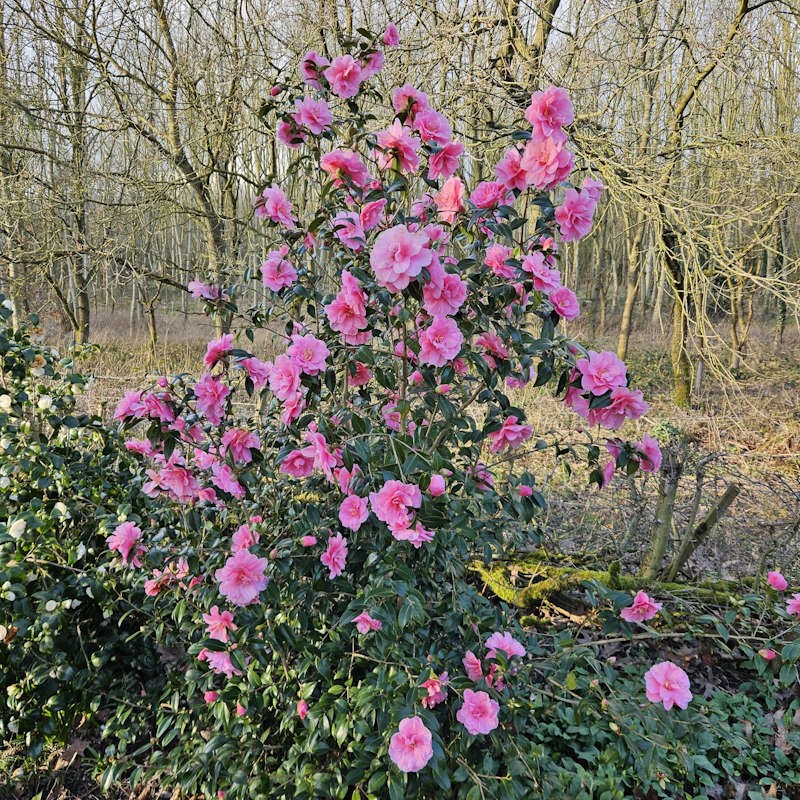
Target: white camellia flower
(5, 402)
(17, 528)
(8, 304)
(45, 402)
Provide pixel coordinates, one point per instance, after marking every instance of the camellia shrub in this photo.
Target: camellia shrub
(71, 649)
(328, 639)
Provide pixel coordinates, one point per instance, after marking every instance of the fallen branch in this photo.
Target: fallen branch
(694, 538)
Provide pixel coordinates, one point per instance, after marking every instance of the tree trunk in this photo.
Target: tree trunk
(671, 470)
(631, 289)
(681, 365)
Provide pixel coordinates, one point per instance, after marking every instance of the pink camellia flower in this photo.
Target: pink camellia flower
(418, 535)
(436, 488)
(793, 605)
(345, 165)
(157, 406)
(124, 540)
(440, 342)
(274, 205)
(365, 623)
(258, 371)
(397, 143)
(525, 490)
(347, 228)
(309, 353)
(449, 200)
(372, 65)
(510, 435)
(210, 696)
(347, 313)
(391, 503)
(372, 213)
(310, 67)
(141, 446)
(650, 452)
(344, 477)
(577, 402)
(335, 555)
(361, 376)
(472, 664)
(667, 683)
(432, 127)
(444, 162)
(593, 188)
(241, 711)
(545, 279)
(391, 416)
(278, 272)
(308, 541)
(324, 459)
(129, 406)
(601, 372)
(482, 475)
(353, 512)
(510, 172)
(239, 443)
(390, 36)
(549, 111)
(217, 349)
(398, 256)
(411, 747)
(299, 463)
(767, 653)
(436, 688)
(219, 623)
(409, 100)
(643, 608)
(302, 709)
(505, 642)
(211, 395)
(496, 256)
(224, 478)
(574, 215)
(202, 291)
(284, 378)
(625, 404)
(444, 297)
(489, 194)
(546, 162)
(312, 114)
(242, 578)
(777, 581)
(565, 303)
(608, 473)
(179, 482)
(220, 662)
(243, 538)
(291, 135)
(344, 76)
(293, 406)
(479, 714)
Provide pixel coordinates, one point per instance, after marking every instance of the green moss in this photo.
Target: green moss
(527, 581)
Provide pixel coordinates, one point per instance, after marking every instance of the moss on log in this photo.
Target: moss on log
(529, 580)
